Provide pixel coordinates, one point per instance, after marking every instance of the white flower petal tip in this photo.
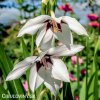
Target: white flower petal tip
(34, 80)
(19, 35)
(75, 25)
(16, 73)
(65, 51)
(20, 68)
(8, 79)
(60, 71)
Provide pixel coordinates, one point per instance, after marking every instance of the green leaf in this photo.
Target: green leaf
(82, 95)
(24, 49)
(3, 93)
(26, 54)
(67, 92)
(15, 86)
(93, 91)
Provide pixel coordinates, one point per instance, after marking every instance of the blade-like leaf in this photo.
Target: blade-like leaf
(93, 91)
(15, 87)
(3, 93)
(24, 49)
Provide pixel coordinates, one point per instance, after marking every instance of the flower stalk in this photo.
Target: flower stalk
(78, 75)
(87, 51)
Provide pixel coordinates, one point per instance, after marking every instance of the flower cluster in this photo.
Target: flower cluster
(66, 8)
(94, 20)
(47, 67)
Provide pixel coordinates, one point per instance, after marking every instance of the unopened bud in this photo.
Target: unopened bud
(45, 1)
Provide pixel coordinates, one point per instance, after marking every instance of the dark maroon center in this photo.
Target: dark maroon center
(44, 62)
(55, 26)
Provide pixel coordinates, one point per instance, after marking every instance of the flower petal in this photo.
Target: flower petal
(45, 74)
(64, 51)
(57, 84)
(34, 80)
(40, 36)
(45, 46)
(64, 36)
(16, 73)
(32, 26)
(71, 38)
(51, 88)
(48, 36)
(30, 30)
(20, 68)
(37, 20)
(26, 62)
(59, 70)
(74, 25)
(52, 84)
(47, 40)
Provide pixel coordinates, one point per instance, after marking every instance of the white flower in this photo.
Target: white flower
(53, 27)
(47, 68)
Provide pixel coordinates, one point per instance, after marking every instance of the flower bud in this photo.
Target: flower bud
(45, 1)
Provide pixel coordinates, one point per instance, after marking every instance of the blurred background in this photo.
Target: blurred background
(15, 13)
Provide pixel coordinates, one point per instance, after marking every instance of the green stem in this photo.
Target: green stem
(32, 45)
(42, 93)
(87, 69)
(53, 4)
(43, 11)
(78, 73)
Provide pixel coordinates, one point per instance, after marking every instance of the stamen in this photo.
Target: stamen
(55, 26)
(44, 62)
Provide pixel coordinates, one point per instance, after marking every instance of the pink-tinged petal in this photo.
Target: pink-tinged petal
(74, 25)
(81, 61)
(59, 70)
(25, 85)
(92, 17)
(76, 98)
(72, 78)
(74, 60)
(34, 80)
(67, 8)
(64, 51)
(94, 24)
